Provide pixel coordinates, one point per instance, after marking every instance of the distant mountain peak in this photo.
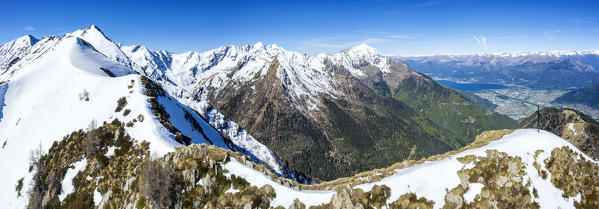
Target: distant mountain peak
(258, 44)
(29, 39)
(93, 29)
(363, 49)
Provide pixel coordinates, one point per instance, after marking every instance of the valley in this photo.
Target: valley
(519, 103)
(516, 82)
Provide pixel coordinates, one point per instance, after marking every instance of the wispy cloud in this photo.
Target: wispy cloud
(28, 28)
(480, 40)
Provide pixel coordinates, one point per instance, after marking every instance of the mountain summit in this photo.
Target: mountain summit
(363, 49)
(324, 116)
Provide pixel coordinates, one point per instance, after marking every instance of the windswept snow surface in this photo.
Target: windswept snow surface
(42, 105)
(431, 178)
(67, 182)
(285, 195)
(102, 44)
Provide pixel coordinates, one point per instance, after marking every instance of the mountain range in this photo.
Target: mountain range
(317, 114)
(327, 115)
(87, 122)
(537, 70)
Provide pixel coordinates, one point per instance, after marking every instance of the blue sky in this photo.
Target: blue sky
(393, 27)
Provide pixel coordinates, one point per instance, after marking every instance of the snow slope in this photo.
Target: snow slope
(424, 179)
(154, 64)
(432, 179)
(284, 195)
(42, 103)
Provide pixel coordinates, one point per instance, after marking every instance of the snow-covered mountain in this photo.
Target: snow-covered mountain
(300, 105)
(207, 74)
(330, 114)
(56, 85)
(537, 70)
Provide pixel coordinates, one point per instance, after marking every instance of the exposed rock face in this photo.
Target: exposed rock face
(572, 125)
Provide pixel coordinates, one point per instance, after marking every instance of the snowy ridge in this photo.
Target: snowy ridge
(241, 138)
(302, 74)
(423, 179)
(249, 145)
(432, 179)
(102, 44)
(178, 83)
(356, 56)
(11, 52)
(26, 55)
(45, 95)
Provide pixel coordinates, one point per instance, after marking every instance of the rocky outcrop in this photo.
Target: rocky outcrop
(572, 125)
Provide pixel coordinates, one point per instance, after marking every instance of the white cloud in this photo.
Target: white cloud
(28, 28)
(480, 40)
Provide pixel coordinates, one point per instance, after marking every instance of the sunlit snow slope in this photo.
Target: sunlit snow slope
(66, 87)
(515, 155)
